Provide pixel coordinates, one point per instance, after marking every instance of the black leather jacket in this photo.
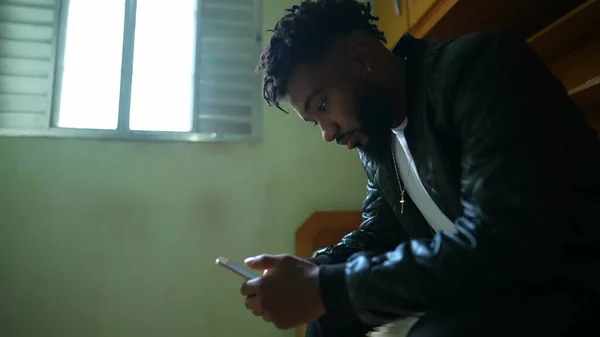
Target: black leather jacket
(506, 155)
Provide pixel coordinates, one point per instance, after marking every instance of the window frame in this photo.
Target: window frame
(122, 132)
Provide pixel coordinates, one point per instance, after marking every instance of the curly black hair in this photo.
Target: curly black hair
(303, 34)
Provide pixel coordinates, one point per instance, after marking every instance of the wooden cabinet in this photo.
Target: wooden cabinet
(418, 17)
(570, 46)
(564, 33)
(416, 10)
(323, 229)
(449, 18)
(393, 19)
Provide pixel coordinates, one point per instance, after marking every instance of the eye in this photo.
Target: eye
(322, 105)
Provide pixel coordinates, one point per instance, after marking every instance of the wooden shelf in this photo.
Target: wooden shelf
(571, 31)
(592, 116)
(587, 94)
(450, 18)
(322, 229)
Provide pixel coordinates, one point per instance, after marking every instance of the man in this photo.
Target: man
(483, 184)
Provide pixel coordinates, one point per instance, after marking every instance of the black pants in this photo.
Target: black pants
(556, 313)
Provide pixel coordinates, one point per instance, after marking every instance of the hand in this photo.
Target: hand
(252, 303)
(288, 295)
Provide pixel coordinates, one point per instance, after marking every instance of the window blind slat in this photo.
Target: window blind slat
(27, 29)
(32, 3)
(241, 16)
(225, 109)
(240, 65)
(226, 118)
(224, 94)
(219, 29)
(23, 85)
(26, 32)
(223, 77)
(231, 4)
(224, 47)
(23, 103)
(22, 67)
(220, 102)
(16, 13)
(23, 49)
(20, 120)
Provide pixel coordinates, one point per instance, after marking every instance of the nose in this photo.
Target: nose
(328, 132)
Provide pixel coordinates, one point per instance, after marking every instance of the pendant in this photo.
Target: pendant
(402, 204)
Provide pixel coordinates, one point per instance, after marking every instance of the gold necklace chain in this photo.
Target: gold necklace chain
(402, 188)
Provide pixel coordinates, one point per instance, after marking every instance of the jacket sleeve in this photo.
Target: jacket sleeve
(507, 111)
(327, 326)
(379, 232)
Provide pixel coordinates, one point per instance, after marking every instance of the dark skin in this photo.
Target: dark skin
(287, 294)
(325, 94)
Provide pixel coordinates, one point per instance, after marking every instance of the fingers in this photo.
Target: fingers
(264, 261)
(250, 287)
(252, 300)
(253, 304)
(257, 290)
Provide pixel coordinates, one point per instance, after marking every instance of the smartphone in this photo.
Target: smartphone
(241, 271)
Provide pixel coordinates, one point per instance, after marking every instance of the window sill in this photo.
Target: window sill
(130, 135)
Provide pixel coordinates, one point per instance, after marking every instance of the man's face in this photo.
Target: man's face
(344, 101)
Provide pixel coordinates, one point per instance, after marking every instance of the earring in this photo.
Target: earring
(368, 69)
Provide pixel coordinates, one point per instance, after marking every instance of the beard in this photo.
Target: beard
(375, 114)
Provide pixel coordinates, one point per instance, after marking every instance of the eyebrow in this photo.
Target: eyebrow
(310, 98)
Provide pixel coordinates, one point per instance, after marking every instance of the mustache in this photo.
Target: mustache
(342, 137)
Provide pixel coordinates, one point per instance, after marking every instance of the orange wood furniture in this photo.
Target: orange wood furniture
(323, 229)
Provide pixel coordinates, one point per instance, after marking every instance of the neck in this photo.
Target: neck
(397, 85)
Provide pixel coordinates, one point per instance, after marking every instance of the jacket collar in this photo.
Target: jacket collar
(404, 45)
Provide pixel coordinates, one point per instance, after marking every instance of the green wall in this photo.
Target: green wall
(111, 239)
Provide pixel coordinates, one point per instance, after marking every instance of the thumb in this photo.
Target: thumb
(264, 261)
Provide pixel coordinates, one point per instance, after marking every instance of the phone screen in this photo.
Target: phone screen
(237, 269)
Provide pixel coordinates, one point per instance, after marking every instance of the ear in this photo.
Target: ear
(360, 57)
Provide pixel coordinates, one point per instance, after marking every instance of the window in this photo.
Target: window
(140, 69)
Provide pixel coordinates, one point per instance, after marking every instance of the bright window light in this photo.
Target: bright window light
(162, 84)
(89, 96)
(162, 91)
